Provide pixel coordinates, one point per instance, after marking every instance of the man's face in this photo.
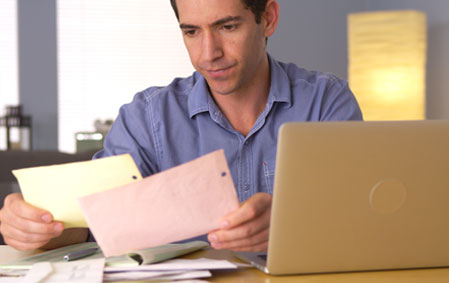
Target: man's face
(224, 42)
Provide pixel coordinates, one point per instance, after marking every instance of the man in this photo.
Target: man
(237, 100)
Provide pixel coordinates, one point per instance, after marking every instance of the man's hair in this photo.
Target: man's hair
(256, 6)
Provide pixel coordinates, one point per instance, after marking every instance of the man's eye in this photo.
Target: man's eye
(190, 32)
(229, 27)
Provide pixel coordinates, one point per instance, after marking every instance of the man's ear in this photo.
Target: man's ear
(270, 17)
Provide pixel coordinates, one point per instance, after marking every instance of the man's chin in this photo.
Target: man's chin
(220, 88)
(220, 91)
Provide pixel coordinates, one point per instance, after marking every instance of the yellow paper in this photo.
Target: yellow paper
(56, 188)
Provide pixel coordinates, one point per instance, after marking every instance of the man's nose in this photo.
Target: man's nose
(211, 46)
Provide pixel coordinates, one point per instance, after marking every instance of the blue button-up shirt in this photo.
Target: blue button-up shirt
(167, 126)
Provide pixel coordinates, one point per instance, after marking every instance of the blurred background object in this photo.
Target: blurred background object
(15, 130)
(93, 141)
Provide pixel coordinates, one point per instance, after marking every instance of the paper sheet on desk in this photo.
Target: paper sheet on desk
(179, 264)
(78, 271)
(169, 270)
(56, 188)
(179, 203)
(158, 276)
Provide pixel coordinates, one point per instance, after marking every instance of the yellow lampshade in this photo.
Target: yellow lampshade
(387, 63)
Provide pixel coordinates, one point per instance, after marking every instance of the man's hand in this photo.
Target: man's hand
(25, 227)
(245, 229)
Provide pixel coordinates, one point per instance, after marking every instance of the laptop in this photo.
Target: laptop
(359, 196)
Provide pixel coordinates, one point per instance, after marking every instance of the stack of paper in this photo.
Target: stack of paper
(176, 269)
(131, 218)
(93, 271)
(49, 266)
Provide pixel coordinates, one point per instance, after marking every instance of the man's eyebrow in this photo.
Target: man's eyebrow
(226, 20)
(187, 26)
(216, 23)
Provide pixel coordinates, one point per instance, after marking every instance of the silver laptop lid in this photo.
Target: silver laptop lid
(360, 196)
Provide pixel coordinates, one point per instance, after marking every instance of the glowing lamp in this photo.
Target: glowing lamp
(387, 63)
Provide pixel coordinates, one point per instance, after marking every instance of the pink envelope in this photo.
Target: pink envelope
(177, 204)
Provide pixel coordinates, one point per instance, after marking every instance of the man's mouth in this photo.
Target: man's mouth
(219, 72)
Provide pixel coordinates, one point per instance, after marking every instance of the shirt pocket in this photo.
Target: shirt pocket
(268, 176)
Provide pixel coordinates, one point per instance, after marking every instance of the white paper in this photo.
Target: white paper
(189, 275)
(167, 275)
(10, 272)
(78, 271)
(38, 272)
(177, 264)
(11, 279)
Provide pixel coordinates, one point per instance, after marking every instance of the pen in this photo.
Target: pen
(79, 254)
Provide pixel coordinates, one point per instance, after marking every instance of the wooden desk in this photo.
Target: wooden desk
(8, 254)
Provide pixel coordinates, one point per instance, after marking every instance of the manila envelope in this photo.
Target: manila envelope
(56, 188)
(180, 203)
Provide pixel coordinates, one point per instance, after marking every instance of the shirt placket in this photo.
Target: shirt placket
(245, 186)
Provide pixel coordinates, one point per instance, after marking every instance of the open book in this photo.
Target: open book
(140, 257)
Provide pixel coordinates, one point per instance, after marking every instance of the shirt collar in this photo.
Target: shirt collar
(200, 99)
(280, 84)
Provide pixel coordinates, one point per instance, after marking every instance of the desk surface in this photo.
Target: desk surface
(8, 254)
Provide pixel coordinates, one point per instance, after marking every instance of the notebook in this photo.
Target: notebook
(358, 196)
(131, 259)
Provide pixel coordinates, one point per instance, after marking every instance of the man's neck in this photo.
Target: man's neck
(243, 107)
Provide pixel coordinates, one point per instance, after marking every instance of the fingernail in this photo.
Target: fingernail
(58, 227)
(213, 238)
(216, 245)
(224, 224)
(46, 218)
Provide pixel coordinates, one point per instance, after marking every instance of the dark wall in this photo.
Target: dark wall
(312, 33)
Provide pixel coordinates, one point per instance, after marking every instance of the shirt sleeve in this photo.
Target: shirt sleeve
(132, 133)
(339, 102)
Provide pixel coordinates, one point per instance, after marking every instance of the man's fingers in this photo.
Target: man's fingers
(18, 214)
(10, 232)
(24, 246)
(247, 244)
(244, 231)
(20, 208)
(26, 227)
(250, 209)
(263, 247)
(29, 226)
